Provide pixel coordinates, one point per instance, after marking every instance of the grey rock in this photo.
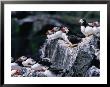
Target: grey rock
(67, 61)
(75, 60)
(93, 72)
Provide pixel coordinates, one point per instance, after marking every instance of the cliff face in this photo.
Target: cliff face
(74, 61)
(64, 61)
(60, 54)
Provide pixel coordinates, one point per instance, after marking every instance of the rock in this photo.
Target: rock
(48, 73)
(38, 67)
(93, 72)
(60, 54)
(45, 62)
(79, 61)
(84, 57)
(75, 60)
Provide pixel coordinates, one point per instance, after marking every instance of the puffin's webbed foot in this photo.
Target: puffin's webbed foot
(72, 45)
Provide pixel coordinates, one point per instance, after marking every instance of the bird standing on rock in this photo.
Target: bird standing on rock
(17, 65)
(89, 28)
(86, 29)
(61, 34)
(29, 62)
(52, 31)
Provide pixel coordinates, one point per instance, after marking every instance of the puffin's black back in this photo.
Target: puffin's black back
(74, 39)
(85, 24)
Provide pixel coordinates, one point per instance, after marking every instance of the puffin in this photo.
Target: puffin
(90, 28)
(62, 33)
(52, 31)
(28, 63)
(43, 67)
(18, 63)
(86, 29)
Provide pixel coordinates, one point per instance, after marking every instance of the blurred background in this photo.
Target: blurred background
(28, 27)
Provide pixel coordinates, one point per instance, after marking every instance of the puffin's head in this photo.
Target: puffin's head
(23, 58)
(82, 21)
(65, 29)
(55, 29)
(20, 60)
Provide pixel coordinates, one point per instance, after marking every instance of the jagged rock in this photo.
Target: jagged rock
(29, 72)
(76, 60)
(60, 54)
(84, 57)
(93, 72)
(66, 61)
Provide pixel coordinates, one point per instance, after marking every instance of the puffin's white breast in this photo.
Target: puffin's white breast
(83, 29)
(55, 35)
(86, 31)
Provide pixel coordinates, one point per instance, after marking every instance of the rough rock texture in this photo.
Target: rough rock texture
(93, 72)
(74, 61)
(60, 54)
(80, 61)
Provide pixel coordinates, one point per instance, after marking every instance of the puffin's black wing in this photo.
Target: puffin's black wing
(74, 39)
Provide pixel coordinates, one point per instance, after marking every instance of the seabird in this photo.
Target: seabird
(62, 33)
(18, 63)
(29, 62)
(86, 29)
(52, 31)
(90, 28)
